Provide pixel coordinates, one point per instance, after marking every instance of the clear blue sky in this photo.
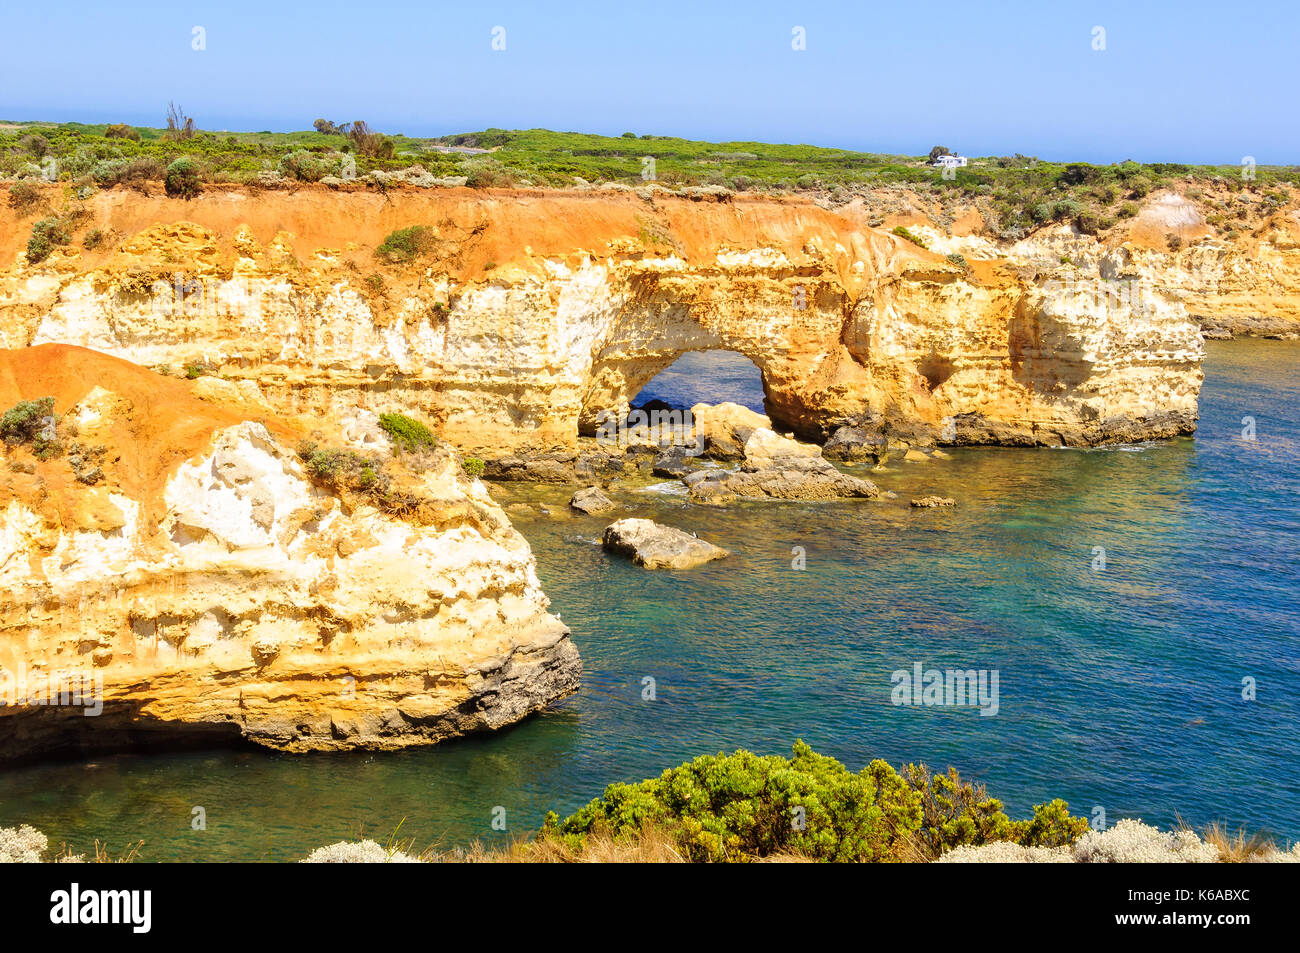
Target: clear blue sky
(1181, 81)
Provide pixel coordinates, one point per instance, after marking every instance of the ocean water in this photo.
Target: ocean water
(1120, 689)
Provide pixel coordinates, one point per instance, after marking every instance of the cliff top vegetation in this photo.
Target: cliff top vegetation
(1016, 193)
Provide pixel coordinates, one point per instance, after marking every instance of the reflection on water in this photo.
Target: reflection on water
(1119, 689)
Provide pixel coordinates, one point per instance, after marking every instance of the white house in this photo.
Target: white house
(950, 162)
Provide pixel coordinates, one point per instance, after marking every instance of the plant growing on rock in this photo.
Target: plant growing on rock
(47, 234)
(25, 421)
(406, 433)
(474, 466)
(742, 807)
(915, 239)
(407, 244)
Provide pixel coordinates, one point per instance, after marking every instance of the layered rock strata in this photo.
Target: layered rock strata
(200, 584)
(537, 317)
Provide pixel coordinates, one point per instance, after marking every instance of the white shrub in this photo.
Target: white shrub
(1131, 841)
(357, 852)
(21, 845)
(1005, 852)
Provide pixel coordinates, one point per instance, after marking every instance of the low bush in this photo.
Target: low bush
(183, 179)
(306, 166)
(47, 234)
(407, 244)
(406, 433)
(915, 239)
(474, 466)
(119, 130)
(24, 421)
(744, 806)
(24, 196)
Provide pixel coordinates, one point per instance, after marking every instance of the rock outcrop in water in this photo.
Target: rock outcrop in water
(198, 583)
(653, 546)
(777, 468)
(536, 315)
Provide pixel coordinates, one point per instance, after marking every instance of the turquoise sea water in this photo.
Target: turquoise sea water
(1119, 689)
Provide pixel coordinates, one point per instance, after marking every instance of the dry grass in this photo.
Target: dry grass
(101, 856)
(651, 845)
(1237, 848)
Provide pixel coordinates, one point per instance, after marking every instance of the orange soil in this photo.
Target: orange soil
(513, 225)
(160, 425)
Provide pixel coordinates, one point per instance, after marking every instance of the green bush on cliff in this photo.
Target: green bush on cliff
(182, 180)
(407, 244)
(744, 806)
(474, 466)
(24, 196)
(912, 237)
(406, 433)
(23, 422)
(48, 233)
(741, 806)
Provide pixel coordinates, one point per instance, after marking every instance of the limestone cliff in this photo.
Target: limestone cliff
(526, 315)
(172, 560)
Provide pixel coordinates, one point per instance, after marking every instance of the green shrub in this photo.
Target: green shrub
(743, 806)
(120, 130)
(48, 233)
(406, 433)
(959, 260)
(23, 422)
(94, 238)
(1088, 222)
(195, 371)
(407, 244)
(306, 166)
(182, 180)
(343, 470)
(24, 196)
(902, 232)
(474, 466)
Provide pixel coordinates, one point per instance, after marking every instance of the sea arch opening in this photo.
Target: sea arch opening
(675, 381)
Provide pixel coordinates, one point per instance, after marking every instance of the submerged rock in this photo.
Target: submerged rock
(674, 463)
(654, 546)
(929, 502)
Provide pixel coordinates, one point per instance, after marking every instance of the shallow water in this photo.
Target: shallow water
(1119, 689)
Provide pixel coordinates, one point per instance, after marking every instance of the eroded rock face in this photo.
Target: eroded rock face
(577, 314)
(208, 588)
(653, 546)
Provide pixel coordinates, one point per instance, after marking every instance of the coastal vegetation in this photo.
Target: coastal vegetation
(743, 808)
(1014, 193)
(406, 433)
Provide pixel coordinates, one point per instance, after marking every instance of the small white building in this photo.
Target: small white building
(950, 162)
